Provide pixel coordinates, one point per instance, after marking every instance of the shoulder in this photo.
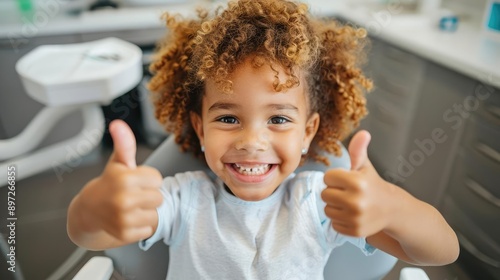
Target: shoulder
(192, 176)
(301, 185)
(186, 193)
(187, 178)
(307, 181)
(188, 183)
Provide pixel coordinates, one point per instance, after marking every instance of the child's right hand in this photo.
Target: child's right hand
(122, 201)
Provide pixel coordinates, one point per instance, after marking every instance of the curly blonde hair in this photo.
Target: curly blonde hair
(278, 31)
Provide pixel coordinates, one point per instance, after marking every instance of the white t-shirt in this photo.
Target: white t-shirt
(215, 235)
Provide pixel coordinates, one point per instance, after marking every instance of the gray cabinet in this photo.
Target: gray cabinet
(436, 133)
(472, 198)
(397, 77)
(412, 119)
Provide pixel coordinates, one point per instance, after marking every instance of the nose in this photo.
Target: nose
(253, 140)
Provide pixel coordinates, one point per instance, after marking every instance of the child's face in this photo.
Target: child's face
(253, 137)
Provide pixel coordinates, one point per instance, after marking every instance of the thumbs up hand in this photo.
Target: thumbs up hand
(357, 200)
(122, 201)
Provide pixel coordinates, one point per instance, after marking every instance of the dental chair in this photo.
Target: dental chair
(346, 262)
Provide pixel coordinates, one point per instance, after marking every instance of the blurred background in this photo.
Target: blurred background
(434, 114)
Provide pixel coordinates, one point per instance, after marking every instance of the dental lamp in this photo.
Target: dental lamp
(69, 78)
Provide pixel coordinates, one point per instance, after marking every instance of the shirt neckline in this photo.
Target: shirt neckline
(276, 195)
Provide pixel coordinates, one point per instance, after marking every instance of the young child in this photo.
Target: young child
(255, 90)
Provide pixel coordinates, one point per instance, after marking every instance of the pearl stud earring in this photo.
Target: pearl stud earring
(304, 151)
(202, 149)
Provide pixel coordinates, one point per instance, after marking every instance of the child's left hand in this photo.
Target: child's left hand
(358, 200)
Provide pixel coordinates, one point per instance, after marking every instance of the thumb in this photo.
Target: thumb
(124, 148)
(358, 150)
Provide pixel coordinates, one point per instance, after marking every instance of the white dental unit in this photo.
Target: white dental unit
(68, 78)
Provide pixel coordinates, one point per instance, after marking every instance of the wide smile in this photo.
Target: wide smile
(252, 170)
(251, 173)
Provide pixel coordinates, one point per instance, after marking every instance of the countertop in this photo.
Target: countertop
(468, 50)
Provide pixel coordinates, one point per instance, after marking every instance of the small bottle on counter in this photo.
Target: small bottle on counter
(491, 25)
(448, 21)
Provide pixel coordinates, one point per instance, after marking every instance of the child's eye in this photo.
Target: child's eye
(278, 120)
(228, 119)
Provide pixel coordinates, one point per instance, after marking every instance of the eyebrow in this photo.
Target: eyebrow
(280, 107)
(228, 106)
(223, 106)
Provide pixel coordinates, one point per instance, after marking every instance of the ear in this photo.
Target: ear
(312, 126)
(197, 124)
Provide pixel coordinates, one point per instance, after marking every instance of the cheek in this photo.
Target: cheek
(216, 145)
(212, 157)
(290, 146)
(217, 140)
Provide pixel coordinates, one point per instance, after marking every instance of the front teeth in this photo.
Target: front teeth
(252, 170)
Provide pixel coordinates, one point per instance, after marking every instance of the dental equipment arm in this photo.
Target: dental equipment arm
(59, 153)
